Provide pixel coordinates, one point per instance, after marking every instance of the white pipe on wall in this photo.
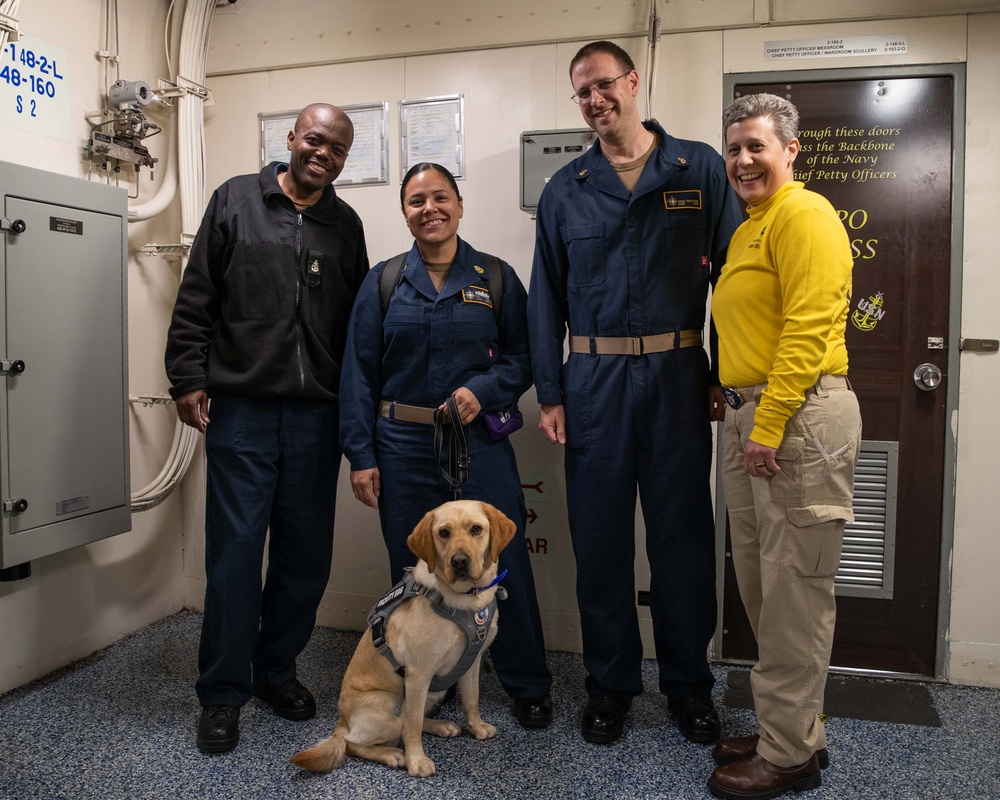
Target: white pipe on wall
(188, 169)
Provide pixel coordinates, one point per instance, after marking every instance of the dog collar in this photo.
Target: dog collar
(477, 589)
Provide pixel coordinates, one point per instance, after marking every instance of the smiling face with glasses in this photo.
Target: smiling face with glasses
(585, 95)
(606, 96)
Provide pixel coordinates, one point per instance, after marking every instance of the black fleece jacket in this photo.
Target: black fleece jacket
(263, 304)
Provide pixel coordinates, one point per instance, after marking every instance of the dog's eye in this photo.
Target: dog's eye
(475, 530)
(444, 533)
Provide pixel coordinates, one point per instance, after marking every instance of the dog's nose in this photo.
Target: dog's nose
(460, 563)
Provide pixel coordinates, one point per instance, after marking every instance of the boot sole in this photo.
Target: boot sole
(216, 746)
(803, 784)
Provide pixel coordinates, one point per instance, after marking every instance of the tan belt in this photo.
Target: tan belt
(634, 345)
(751, 394)
(394, 410)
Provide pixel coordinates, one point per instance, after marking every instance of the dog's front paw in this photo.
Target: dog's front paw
(483, 730)
(442, 727)
(421, 767)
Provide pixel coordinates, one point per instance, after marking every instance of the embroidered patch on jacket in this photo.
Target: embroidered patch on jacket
(682, 198)
(477, 294)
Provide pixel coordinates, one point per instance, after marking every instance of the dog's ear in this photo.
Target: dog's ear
(502, 530)
(421, 541)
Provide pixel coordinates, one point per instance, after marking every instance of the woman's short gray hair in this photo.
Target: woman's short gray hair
(783, 114)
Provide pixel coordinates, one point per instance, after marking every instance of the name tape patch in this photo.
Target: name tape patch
(477, 294)
(682, 198)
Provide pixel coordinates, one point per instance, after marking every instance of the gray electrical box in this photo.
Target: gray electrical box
(544, 152)
(64, 460)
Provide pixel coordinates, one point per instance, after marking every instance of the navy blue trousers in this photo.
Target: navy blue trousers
(640, 425)
(272, 465)
(412, 485)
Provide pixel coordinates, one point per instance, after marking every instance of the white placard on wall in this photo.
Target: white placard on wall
(842, 47)
(34, 90)
(433, 130)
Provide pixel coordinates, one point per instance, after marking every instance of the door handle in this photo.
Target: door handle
(927, 377)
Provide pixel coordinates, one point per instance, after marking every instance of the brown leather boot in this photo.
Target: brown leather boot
(756, 778)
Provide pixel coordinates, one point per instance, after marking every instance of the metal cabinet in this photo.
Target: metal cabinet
(64, 477)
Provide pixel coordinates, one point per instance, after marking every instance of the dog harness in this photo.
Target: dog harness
(475, 623)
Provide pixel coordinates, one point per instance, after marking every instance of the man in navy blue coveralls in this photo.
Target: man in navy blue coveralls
(627, 238)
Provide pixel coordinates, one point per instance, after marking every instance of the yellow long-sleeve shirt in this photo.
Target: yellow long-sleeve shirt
(781, 304)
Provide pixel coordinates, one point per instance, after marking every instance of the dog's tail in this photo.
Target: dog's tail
(328, 754)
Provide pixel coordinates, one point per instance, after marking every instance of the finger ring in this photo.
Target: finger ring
(760, 465)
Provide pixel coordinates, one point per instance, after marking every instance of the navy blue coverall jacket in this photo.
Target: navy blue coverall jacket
(612, 263)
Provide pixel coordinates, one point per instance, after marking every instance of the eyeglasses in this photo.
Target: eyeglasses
(584, 95)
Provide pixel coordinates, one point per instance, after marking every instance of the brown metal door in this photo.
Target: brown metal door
(881, 151)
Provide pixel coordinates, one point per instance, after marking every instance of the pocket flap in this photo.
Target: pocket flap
(790, 449)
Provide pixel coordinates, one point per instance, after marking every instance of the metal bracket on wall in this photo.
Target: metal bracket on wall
(165, 250)
(165, 90)
(979, 345)
(11, 26)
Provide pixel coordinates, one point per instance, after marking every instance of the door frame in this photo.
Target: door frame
(958, 73)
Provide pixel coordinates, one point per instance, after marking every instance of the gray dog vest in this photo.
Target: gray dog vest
(475, 623)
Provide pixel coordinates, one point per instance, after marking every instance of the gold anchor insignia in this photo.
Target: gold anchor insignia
(681, 160)
(582, 172)
(478, 269)
(314, 266)
(868, 312)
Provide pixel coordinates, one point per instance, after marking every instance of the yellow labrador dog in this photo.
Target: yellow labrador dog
(458, 545)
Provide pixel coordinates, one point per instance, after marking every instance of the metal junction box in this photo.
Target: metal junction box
(544, 152)
(64, 474)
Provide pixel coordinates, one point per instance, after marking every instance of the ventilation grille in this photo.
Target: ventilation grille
(866, 565)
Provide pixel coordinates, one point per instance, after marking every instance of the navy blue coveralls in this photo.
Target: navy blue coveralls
(611, 263)
(430, 344)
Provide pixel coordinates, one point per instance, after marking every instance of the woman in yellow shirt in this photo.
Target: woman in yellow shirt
(790, 442)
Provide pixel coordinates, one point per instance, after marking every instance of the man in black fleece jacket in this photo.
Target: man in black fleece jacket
(259, 328)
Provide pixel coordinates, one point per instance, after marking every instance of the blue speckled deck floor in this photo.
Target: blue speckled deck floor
(119, 725)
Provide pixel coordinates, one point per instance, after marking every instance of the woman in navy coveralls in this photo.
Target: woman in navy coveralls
(439, 337)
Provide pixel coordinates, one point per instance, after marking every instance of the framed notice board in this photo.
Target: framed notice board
(433, 130)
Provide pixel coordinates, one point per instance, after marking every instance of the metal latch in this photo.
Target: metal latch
(15, 226)
(16, 506)
(15, 367)
(980, 345)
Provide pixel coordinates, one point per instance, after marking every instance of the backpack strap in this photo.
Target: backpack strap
(495, 283)
(391, 275)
